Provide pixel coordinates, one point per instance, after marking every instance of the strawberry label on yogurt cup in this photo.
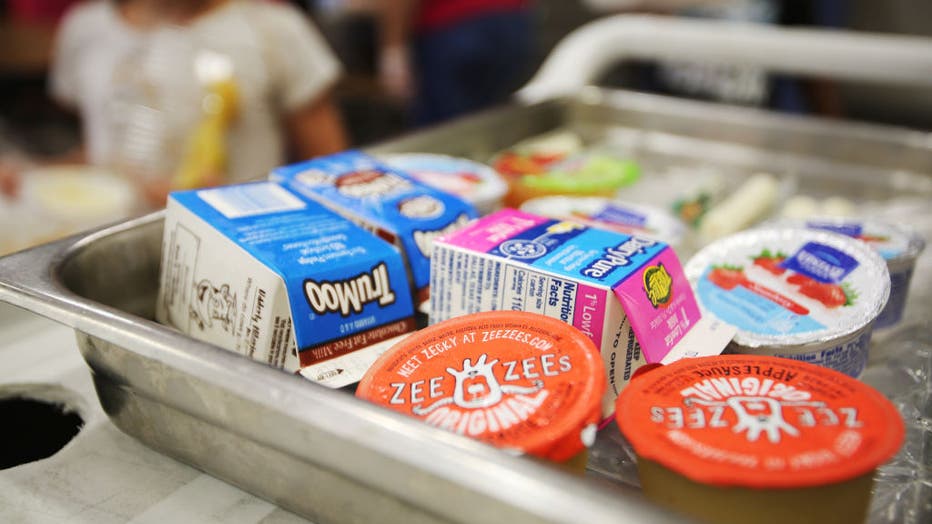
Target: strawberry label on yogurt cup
(792, 292)
(628, 294)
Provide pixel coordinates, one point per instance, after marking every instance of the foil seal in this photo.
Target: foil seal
(800, 293)
(614, 215)
(899, 246)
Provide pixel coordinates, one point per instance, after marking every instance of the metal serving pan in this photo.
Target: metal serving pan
(318, 452)
(326, 455)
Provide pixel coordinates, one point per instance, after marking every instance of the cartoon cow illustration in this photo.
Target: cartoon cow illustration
(476, 387)
(757, 415)
(211, 303)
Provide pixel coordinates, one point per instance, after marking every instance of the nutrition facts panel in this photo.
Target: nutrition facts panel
(472, 283)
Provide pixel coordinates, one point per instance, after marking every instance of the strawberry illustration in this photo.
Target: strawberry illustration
(547, 158)
(770, 261)
(511, 163)
(727, 277)
(830, 295)
(799, 279)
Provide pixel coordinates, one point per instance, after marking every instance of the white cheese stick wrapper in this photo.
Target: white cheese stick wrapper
(748, 204)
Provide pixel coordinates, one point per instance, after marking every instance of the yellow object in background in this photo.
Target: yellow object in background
(205, 158)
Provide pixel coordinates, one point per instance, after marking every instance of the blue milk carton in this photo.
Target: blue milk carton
(394, 205)
(259, 270)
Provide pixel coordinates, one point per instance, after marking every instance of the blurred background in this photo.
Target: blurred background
(163, 94)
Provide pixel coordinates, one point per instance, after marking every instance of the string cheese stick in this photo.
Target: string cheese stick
(748, 204)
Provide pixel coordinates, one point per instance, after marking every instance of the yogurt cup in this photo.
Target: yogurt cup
(755, 439)
(536, 154)
(793, 292)
(614, 215)
(899, 247)
(519, 381)
(477, 183)
(591, 173)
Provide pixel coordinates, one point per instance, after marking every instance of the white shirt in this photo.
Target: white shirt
(140, 99)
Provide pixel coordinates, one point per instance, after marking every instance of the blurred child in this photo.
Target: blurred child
(189, 93)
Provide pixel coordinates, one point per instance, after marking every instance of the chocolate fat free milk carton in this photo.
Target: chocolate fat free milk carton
(261, 271)
(392, 204)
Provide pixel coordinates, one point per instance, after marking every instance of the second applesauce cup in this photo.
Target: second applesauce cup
(519, 381)
(751, 439)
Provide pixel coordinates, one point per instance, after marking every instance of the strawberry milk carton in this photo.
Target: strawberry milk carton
(626, 293)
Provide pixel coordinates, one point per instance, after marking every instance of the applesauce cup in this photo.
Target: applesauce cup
(758, 440)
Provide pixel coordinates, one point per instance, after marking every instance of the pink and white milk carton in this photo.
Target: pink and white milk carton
(628, 294)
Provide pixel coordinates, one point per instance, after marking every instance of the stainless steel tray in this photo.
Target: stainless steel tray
(326, 455)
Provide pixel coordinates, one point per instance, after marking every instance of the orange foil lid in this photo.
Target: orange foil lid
(758, 422)
(516, 380)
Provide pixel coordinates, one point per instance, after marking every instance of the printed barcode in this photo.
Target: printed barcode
(251, 199)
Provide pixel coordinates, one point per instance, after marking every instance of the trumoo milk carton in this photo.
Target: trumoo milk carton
(626, 293)
(394, 205)
(261, 271)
